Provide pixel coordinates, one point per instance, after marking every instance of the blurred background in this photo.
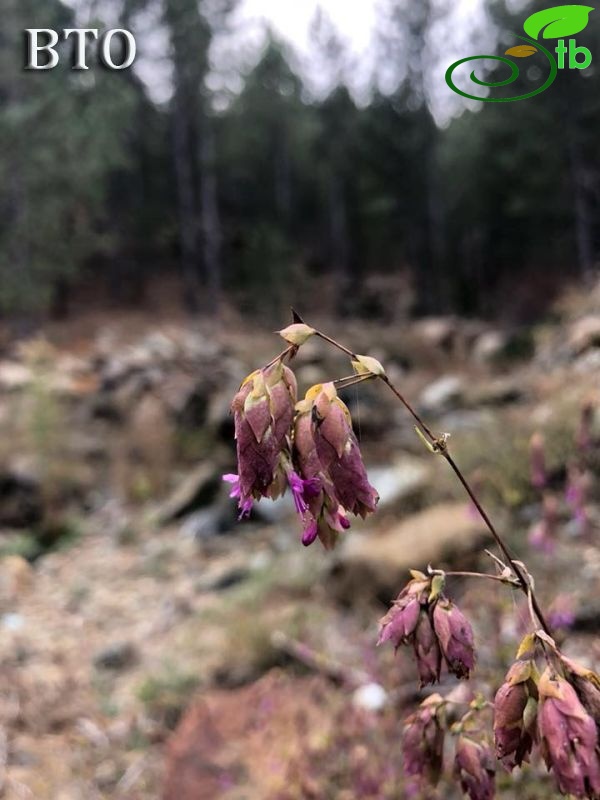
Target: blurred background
(156, 226)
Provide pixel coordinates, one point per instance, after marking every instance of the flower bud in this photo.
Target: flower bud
(400, 622)
(537, 461)
(339, 453)
(543, 534)
(584, 438)
(569, 738)
(561, 613)
(586, 683)
(297, 334)
(325, 449)
(367, 365)
(474, 768)
(515, 709)
(427, 650)
(455, 636)
(423, 741)
(263, 411)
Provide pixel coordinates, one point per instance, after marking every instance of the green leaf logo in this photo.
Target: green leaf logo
(557, 22)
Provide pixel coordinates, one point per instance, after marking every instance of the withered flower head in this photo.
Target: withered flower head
(263, 411)
(474, 768)
(327, 454)
(400, 622)
(586, 683)
(515, 709)
(427, 650)
(422, 616)
(455, 637)
(568, 737)
(423, 741)
(339, 453)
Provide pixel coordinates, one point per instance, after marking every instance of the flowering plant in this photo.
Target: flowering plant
(547, 703)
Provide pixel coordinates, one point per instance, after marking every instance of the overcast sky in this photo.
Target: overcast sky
(354, 21)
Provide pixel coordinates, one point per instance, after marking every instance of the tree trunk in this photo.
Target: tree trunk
(211, 220)
(187, 205)
(338, 218)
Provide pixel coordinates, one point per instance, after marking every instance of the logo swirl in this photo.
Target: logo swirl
(514, 74)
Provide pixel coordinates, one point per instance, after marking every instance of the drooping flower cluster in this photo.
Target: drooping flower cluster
(263, 411)
(423, 747)
(474, 767)
(423, 617)
(326, 452)
(560, 710)
(515, 709)
(577, 491)
(568, 737)
(423, 741)
(308, 447)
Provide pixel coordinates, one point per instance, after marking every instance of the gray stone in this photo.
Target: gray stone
(198, 489)
(403, 479)
(372, 563)
(116, 656)
(584, 333)
(443, 394)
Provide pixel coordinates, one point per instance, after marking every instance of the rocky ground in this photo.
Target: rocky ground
(154, 648)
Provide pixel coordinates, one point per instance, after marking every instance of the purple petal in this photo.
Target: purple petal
(235, 484)
(312, 487)
(246, 508)
(310, 534)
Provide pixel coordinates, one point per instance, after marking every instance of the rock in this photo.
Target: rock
(309, 374)
(371, 563)
(489, 347)
(274, 511)
(588, 363)
(199, 489)
(370, 697)
(21, 502)
(404, 479)
(223, 579)
(16, 577)
(116, 656)
(438, 332)
(178, 390)
(443, 394)
(207, 522)
(584, 333)
(14, 376)
(13, 622)
(246, 738)
(500, 392)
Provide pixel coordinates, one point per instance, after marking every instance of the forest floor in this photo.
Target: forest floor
(154, 648)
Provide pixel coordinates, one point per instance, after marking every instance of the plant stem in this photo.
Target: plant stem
(410, 409)
(498, 578)
(525, 584)
(442, 449)
(336, 344)
(352, 380)
(281, 356)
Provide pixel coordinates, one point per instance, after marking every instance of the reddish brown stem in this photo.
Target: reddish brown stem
(441, 447)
